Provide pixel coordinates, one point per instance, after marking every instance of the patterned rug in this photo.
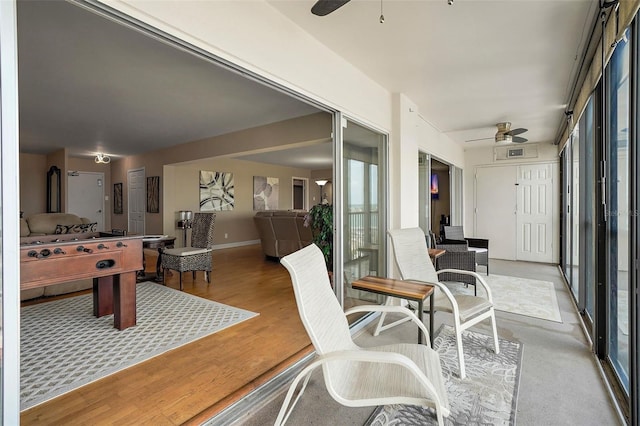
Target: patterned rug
(488, 395)
(63, 346)
(521, 296)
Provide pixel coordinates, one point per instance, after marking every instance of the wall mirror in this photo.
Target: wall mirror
(53, 190)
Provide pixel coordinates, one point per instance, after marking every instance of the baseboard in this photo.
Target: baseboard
(236, 244)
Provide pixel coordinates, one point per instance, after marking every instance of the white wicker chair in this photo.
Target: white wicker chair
(406, 373)
(412, 258)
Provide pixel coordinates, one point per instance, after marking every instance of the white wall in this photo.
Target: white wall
(484, 157)
(413, 134)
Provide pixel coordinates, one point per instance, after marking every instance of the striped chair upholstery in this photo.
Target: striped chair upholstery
(198, 257)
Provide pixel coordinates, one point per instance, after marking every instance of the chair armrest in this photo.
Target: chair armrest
(478, 243)
(477, 276)
(390, 309)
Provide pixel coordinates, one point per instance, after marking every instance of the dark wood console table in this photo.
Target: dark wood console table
(112, 262)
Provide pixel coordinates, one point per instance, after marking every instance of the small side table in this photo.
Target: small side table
(409, 290)
(159, 242)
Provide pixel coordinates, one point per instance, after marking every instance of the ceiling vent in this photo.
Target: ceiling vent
(515, 152)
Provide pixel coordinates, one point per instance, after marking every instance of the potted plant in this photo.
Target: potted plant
(320, 220)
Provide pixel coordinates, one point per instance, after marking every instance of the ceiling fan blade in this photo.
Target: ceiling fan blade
(515, 132)
(481, 139)
(325, 7)
(518, 139)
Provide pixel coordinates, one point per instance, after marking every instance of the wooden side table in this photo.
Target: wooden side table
(409, 290)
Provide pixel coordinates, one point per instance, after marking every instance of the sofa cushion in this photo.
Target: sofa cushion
(45, 223)
(76, 228)
(24, 228)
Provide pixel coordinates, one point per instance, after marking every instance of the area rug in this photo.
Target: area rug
(487, 396)
(63, 346)
(516, 295)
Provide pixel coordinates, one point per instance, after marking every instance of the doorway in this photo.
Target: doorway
(86, 196)
(300, 194)
(440, 194)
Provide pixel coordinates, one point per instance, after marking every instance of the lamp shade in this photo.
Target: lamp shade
(322, 182)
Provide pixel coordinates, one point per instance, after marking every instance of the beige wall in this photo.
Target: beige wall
(33, 183)
(181, 192)
(306, 130)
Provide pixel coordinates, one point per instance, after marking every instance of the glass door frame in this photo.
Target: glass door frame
(10, 242)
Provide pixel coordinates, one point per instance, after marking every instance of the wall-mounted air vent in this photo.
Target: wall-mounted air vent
(515, 153)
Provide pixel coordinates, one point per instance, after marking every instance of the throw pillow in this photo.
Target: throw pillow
(77, 229)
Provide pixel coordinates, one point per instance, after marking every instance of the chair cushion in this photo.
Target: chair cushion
(478, 249)
(185, 251)
(470, 306)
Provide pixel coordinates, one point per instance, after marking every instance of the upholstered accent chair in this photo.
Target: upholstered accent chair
(455, 235)
(412, 257)
(197, 257)
(402, 373)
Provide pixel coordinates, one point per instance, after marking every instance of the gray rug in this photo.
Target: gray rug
(488, 395)
(63, 346)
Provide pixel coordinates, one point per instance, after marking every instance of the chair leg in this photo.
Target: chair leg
(460, 353)
(495, 331)
(180, 280)
(207, 275)
(193, 274)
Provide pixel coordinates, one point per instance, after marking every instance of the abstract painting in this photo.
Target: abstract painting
(265, 193)
(153, 194)
(216, 191)
(117, 198)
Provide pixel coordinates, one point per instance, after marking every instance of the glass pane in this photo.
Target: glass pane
(424, 192)
(566, 204)
(618, 210)
(364, 242)
(575, 209)
(588, 207)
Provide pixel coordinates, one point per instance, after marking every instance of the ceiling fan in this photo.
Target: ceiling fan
(505, 134)
(325, 7)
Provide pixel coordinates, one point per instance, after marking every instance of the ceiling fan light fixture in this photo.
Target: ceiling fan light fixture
(102, 159)
(503, 138)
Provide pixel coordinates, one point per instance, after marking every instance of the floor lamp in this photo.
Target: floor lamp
(321, 183)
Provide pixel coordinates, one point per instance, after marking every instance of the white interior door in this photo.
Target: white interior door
(495, 210)
(136, 201)
(535, 213)
(85, 196)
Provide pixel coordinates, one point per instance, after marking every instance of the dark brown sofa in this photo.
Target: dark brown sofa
(282, 232)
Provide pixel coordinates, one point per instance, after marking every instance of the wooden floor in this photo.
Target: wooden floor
(191, 383)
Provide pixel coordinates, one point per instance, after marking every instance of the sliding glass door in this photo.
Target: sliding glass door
(364, 201)
(617, 213)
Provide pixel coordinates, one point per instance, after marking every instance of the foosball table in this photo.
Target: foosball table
(112, 262)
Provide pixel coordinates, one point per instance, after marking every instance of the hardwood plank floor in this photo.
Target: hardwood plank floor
(193, 382)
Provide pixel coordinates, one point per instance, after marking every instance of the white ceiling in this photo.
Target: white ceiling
(93, 86)
(467, 66)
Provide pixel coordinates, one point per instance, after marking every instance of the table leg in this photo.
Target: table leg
(124, 295)
(102, 296)
(420, 308)
(431, 315)
(159, 277)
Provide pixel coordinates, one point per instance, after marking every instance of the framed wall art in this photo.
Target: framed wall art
(265, 193)
(117, 198)
(153, 194)
(216, 191)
